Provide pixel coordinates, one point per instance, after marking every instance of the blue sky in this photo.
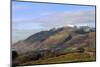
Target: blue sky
(29, 18)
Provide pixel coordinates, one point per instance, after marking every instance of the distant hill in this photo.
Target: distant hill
(55, 42)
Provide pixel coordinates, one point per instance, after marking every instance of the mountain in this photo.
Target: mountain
(55, 43)
(40, 39)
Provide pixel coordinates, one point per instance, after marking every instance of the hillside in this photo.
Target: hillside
(66, 44)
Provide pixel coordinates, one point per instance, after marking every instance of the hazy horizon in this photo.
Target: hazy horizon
(29, 18)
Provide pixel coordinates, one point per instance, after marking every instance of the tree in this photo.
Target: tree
(14, 54)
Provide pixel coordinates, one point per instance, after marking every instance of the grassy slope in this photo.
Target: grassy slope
(71, 57)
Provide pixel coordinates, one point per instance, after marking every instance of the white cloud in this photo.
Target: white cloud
(50, 20)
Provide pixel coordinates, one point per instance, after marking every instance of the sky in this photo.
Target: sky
(29, 18)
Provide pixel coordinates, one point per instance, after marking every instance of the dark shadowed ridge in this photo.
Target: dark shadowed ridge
(42, 35)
